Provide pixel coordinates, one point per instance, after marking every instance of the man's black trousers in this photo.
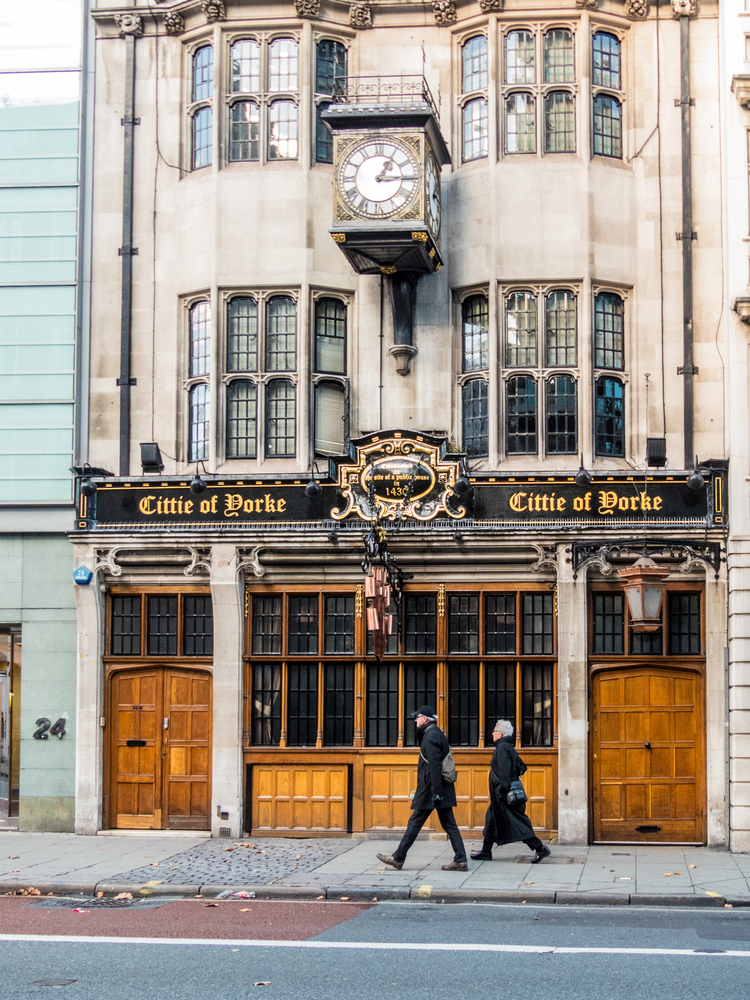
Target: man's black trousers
(418, 819)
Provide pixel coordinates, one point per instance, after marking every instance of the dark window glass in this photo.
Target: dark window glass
(266, 707)
(282, 64)
(561, 328)
(520, 123)
(203, 73)
(420, 682)
(200, 338)
(330, 336)
(282, 130)
(330, 67)
(203, 137)
(606, 60)
(609, 319)
(609, 623)
(520, 57)
(162, 626)
(382, 705)
(338, 708)
(607, 126)
(198, 418)
(610, 417)
(339, 624)
(538, 624)
(475, 418)
(245, 67)
(198, 626)
(420, 624)
(244, 131)
(463, 713)
(520, 428)
(646, 643)
(520, 334)
(537, 705)
(303, 625)
(323, 138)
(267, 624)
(463, 623)
(281, 419)
(330, 410)
(562, 416)
(302, 706)
(500, 623)
(126, 626)
(558, 56)
(499, 696)
(281, 334)
(684, 624)
(474, 60)
(391, 644)
(475, 129)
(559, 122)
(242, 335)
(475, 333)
(242, 418)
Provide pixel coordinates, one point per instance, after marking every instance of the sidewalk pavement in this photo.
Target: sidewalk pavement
(347, 868)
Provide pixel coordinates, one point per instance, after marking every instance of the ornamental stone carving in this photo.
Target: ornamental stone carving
(129, 24)
(586, 4)
(684, 8)
(215, 10)
(492, 6)
(636, 10)
(307, 8)
(444, 11)
(174, 24)
(360, 15)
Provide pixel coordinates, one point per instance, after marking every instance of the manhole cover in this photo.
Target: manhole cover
(53, 982)
(78, 903)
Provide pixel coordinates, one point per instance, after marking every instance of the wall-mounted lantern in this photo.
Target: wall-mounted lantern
(644, 588)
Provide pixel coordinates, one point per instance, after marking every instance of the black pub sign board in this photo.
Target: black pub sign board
(403, 474)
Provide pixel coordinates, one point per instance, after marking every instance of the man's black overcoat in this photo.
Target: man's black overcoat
(506, 824)
(433, 747)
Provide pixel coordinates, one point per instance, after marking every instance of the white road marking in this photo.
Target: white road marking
(521, 949)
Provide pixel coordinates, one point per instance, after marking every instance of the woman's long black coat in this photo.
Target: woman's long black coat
(433, 747)
(506, 824)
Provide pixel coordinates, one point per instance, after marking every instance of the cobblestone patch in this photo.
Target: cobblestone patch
(248, 862)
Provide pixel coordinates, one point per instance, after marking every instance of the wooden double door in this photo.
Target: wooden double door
(159, 724)
(648, 755)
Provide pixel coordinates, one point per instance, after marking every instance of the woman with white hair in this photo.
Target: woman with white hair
(506, 823)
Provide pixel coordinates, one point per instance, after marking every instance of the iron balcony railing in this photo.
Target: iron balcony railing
(385, 90)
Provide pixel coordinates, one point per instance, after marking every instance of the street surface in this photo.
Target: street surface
(219, 950)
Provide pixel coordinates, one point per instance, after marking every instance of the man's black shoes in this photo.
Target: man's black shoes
(540, 853)
(481, 856)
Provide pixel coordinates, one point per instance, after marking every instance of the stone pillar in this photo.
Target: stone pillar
(89, 698)
(739, 694)
(716, 710)
(572, 706)
(227, 771)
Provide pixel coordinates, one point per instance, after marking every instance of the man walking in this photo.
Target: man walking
(432, 793)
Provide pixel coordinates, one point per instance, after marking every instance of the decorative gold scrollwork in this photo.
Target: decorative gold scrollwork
(339, 237)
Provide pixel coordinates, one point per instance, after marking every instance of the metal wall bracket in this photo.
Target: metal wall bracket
(127, 381)
(679, 103)
(130, 121)
(684, 236)
(125, 251)
(684, 370)
(709, 553)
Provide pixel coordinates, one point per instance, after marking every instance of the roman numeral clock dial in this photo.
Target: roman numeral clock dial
(378, 178)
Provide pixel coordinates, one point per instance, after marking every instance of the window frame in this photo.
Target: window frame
(665, 658)
(119, 660)
(321, 99)
(609, 90)
(196, 106)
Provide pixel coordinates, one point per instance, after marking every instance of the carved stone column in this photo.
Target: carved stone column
(716, 708)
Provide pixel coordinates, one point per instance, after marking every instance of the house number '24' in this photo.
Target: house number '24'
(45, 729)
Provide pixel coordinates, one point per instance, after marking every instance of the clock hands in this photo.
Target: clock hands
(383, 175)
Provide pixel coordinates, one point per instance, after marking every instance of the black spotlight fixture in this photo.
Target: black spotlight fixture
(88, 489)
(312, 489)
(151, 460)
(695, 481)
(197, 485)
(462, 485)
(583, 476)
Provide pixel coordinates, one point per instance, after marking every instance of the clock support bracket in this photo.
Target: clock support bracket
(403, 290)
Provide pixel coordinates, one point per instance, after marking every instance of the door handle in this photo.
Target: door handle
(647, 746)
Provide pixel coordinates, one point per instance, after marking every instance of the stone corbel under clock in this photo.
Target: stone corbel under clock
(741, 90)
(742, 308)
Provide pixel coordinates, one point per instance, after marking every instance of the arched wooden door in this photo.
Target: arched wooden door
(648, 755)
(159, 725)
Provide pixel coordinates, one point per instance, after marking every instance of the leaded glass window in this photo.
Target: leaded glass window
(338, 705)
(538, 624)
(203, 73)
(520, 330)
(500, 623)
(282, 131)
(267, 623)
(330, 336)
(245, 57)
(475, 417)
(609, 623)
(520, 123)
(606, 60)
(475, 316)
(610, 418)
(339, 624)
(537, 730)
(382, 705)
(609, 322)
(684, 612)
(463, 623)
(303, 625)
(520, 57)
(244, 131)
(203, 132)
(265, 715)
(302, 711)
(242, 335)
(281, 334)
(559, 122)
(521, 416)
(499, 696)
(126, 626)
(198, 625)
(281, 419)
(420, 623)
(607, 126)
(242, 419)
(463, 716)
(561, 328)
(475, 140)
(558, 56)
(162, 626)
(200, 338)
(282, 65)
(420, 688)
(474, 59)
(198, 418)
(562, 416)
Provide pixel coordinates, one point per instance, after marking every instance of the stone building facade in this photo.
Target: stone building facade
(488, 397)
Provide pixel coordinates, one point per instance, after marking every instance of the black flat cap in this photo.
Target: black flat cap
(427, 710)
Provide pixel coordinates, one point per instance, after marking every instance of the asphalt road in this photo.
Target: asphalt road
(346, 951)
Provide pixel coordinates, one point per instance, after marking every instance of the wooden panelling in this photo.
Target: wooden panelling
(388, 787)
(472, 796)
(187, 749)
(647, 749)
(298, 797)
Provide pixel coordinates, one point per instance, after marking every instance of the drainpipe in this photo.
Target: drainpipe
(127, 252)
(688, 370)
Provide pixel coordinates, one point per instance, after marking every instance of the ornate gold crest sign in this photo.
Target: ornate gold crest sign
(396, 475)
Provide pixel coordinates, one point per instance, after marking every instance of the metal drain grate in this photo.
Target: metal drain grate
(53, 982)
(79, 903)
(553, 859)
(225, 832)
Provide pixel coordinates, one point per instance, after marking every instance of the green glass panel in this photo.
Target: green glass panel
(26, 490)
(37, 465)
(38, 199)
(42, 171)
(38, 271)
(37, 301)
(39, 142)
(42, 358)
(37, 248)
(50, 89)
(38, 223)
(36, 386)
(37, 329)
(23, 440)
(37, 416)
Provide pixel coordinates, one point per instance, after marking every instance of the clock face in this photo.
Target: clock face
(378, 178)
(432, 194)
